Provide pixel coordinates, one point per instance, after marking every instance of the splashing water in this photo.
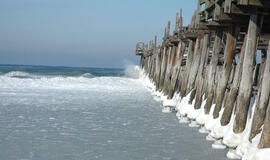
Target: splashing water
(49, 113)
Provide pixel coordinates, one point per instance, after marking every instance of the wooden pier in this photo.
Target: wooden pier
(222, 57)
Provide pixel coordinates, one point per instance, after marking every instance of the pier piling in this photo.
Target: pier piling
(222, 57)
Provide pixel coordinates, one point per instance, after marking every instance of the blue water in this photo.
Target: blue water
(60, 70)
(66, 113)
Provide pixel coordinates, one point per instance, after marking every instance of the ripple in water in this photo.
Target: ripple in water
(105, 118)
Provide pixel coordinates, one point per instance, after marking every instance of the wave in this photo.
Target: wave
(88, 75)
(66, 83)
(38, 75)
(82, 80)
(18, 74)
(132, 71)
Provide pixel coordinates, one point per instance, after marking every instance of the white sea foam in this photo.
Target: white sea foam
(166, 110)
(218, 145)
(259, 154)
(65, 83)
(232, 155)
(23, 80)
(88, 75)
(203, 130)
(132, 71)
(183, 120)
(194, 124)
(17, 74)
(223, 136)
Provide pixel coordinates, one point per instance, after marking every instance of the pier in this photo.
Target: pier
(220, 64)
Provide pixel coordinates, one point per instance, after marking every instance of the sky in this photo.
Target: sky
(83, 33)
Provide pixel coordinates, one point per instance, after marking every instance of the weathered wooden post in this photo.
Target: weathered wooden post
(180, 21)
(201, 69)
(163, 67)
(164, 59)
(226, 72)
(265, 139)
(212, 70)
(243, 100)
(230, 103)
(168, 29)
(158, 63)
(176, 23)
(195, 63)
(263, 99)
(161, 55)
(176, 63)
(168, 68)
(184, 82)
(176, 70)
(181, 73)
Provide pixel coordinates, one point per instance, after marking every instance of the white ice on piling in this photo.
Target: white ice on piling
(203, 130)
(245, 144)
(192, 113)
(232, 155)
(218, 145)
(169, 102)
(219, 130)
(225, 135)
(210, 121)
(184, 120)
(194, 124)
(259, 154)
(166, 110)
(201, 118)
(252, 148)
(232, 139)
(183, 107)
(209, 138)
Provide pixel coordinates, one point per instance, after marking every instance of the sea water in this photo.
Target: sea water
(68, 113)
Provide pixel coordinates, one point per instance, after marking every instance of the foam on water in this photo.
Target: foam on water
(22, 80)
(62, 116)
(17, 74)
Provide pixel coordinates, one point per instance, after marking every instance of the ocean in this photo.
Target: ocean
(71, 113)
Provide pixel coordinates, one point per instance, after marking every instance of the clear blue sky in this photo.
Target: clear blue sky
(93, 33)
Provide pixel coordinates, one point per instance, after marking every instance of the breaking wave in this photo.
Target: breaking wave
(82, 80)
(132, 71)
(21, 74)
